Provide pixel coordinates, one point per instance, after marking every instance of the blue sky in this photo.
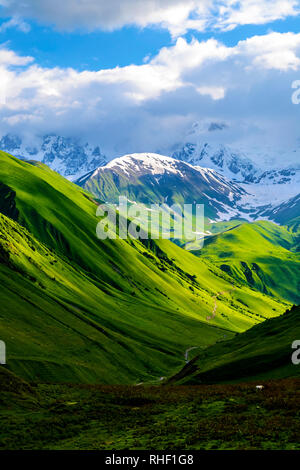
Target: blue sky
(129, 45)
(90, 51)
(137, 76)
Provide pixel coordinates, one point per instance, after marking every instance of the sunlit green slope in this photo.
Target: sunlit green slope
(262, 255)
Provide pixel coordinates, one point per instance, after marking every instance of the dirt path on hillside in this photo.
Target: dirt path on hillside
(214, 311)
(186, 354)
(209, 318)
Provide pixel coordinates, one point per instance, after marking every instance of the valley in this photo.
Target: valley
(60, 282)
(141, 321)
(149, 229)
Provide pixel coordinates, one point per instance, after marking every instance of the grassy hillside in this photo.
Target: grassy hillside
(263, 352)
(261, 255)
(62, 324)
(74, 308)
(294, 226)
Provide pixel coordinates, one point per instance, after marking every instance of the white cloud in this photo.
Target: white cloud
(149, 106)
(9, 58)
(273, 51)
(100, 14)
(16, 23)
(178, 16)
(234, 12)
(216, 93)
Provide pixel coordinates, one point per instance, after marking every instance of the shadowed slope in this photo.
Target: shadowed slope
(263, 352)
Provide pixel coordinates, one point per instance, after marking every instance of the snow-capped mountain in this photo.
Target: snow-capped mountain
(287, 213)
(227, 161)
(271, 189)
(65, 155)
(153, 178)
(228, 179)
(266, 186)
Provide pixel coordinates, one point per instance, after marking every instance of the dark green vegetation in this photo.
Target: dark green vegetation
(77, 309)
(128, 417)
(262, 352)
(262, 255)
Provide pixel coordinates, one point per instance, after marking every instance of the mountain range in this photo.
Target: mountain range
(79, 309)
(225, 179)
(267, 185)
(153, 178)
(66, 155)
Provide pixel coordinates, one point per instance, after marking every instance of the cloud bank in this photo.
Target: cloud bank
(152, 106)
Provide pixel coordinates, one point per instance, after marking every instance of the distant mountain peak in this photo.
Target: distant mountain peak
(232, 164)
(66, 155)
(153, 178)
(10, 142)
(147, 163)
(267, 186)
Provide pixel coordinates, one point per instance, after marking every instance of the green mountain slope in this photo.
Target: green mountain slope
(294, 225)
(263, 352)
(261, 255)
(74, 308)
(60, 324)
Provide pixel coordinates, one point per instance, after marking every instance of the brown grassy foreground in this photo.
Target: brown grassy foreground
(151, 417)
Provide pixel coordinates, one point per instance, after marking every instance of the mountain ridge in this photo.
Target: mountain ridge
(268, 185)
(153, 178)
(66, 155)
(265, 188)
